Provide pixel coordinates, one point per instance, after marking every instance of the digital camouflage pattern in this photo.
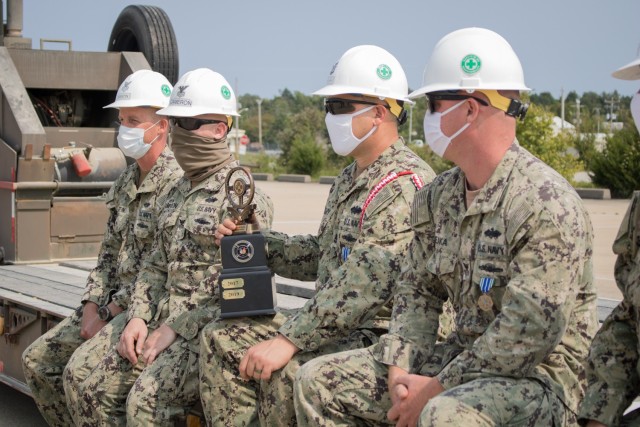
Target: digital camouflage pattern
(170, 378)
(355, 260)
(130, 229)
(133, 213)
(350, 388)
(227, 399)
(177, 286)
(614, 362)
(528, 234)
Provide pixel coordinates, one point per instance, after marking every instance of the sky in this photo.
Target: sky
(263, 47)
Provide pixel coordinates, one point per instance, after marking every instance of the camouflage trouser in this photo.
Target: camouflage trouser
(104, 389)
(43, 363)
(350, 388)
(229, 400)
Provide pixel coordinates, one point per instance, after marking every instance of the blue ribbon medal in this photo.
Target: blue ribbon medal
(345, 251)
(485, 302)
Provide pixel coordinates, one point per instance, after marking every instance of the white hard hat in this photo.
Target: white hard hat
(201, 91)
(144, 88)
(631, 71)
(471, 59)
(367, 70)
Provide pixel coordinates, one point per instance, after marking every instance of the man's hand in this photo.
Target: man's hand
(91, 323)
(261, 360)
(594, 423)
(132, 340)
(159, 339)
(229, 225)
(224, 229)
(412, 392)
(394, 373)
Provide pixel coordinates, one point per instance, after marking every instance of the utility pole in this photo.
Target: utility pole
(410, 122)
(236, 143)
(611, 102)
(597, 119)
(562, 108)
(259, 101)
(578, 115)
(237, 140)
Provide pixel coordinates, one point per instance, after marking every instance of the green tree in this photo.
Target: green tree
(536, 135)
(305, 155)
(307, 123)
(617, 167)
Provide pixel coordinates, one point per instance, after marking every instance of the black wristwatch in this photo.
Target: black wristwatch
(104, 313)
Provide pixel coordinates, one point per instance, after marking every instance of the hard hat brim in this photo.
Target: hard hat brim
(333, 90)
(177, 111)
(441, 87)
(130, 104)
(631, 71)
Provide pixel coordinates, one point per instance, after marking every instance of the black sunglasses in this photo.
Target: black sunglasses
(440, 96)
(189, 123)
(344, 106)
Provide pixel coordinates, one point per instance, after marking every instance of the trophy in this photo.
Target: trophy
(246, 285)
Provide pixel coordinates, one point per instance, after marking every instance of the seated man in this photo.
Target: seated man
(134, 202)
(614, 359)
(153, 380)
(248, 365)
(504, 238)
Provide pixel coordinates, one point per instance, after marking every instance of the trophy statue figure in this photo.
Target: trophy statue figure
(246, 284)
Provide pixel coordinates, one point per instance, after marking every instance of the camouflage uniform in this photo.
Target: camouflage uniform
(614, 365)
(127, 240)
(528, 235)
(355, 260)
(177, 287)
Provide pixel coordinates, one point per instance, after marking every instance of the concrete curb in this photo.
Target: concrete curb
(293, 178)
(262, 176)
(327, 180)
(594, 193)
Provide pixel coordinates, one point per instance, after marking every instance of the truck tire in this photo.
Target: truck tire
(147, 29)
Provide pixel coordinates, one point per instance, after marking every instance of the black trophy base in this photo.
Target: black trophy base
(246, 285)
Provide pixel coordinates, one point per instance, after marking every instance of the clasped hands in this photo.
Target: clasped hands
(409, 395)
(134, 342)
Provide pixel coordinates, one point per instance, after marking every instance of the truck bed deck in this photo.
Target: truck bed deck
(56, 289)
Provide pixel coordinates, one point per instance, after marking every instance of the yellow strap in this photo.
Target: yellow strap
(394, 107)
(495, 99)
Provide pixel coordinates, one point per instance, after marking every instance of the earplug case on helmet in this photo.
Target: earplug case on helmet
(144, 88)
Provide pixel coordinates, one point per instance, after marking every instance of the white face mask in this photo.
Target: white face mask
(131, 141)
(341, 134)
(635, 109)
(437, 140)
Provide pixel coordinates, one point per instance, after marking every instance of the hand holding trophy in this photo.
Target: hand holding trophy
(246, 285)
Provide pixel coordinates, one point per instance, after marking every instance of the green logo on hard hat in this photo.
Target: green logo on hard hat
(384, 72)
(471, 64)
(226, 93)
(166, 91)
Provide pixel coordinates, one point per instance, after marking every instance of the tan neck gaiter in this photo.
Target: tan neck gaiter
(199, 157)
